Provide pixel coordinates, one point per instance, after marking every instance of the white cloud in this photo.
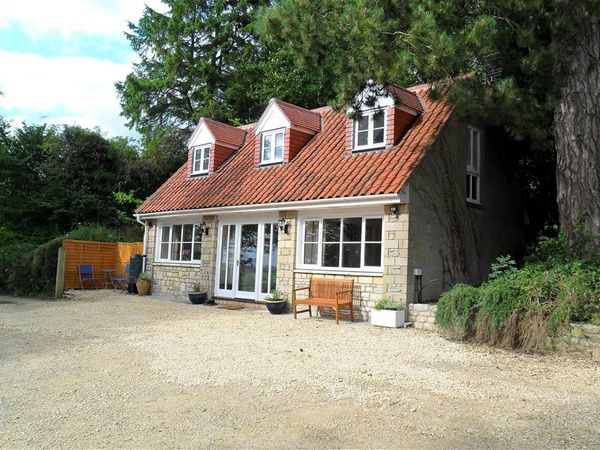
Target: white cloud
(80, 89)
(99, 17)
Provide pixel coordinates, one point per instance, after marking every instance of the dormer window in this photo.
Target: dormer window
(272, 147)
(369, 130)
(201, 160)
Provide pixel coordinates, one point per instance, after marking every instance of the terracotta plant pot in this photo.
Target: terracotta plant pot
(143, 286)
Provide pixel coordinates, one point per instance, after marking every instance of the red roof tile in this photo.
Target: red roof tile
(224, 133)
(321, 170)
(299, 116)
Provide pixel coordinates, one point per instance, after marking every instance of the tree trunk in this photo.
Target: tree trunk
(577, 135)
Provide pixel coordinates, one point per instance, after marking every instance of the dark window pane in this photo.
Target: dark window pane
(331, 255)
(197, 251)
(475, 194)
(362, 138)
(352, 229)
(311, 231)
(175, 250)
(186, 251)
(373, 255)
(165, 234)
(331, 230)
(468, 186)
(351, 255)
(378, 136)
(274, 258)
(373, 229)
(197, 233)
(264, 283)
(187, 233)
(363, 123)
(176, 236)
(310, 253)
(164, 250)
(378, 120)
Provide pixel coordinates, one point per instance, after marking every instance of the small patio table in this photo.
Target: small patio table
(108, 276)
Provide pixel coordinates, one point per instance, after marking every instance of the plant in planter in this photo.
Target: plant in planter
(388, 313)
(275, 302)
(142, 283)
(196, 295)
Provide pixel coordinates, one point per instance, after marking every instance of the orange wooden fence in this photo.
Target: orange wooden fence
(102, 255)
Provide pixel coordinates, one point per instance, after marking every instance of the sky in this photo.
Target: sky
(60, 59)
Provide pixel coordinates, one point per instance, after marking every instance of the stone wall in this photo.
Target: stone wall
(582, 340)
(422, 315)
(176, 280)
(395, 253)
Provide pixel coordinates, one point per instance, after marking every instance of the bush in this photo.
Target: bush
(388, 303)
(456, 308)
(520, 308)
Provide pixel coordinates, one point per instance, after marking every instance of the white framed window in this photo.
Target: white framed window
(369, 130)
(473, 166)
(342, 243)
(201, 159)
(179, 242)
(272, 147)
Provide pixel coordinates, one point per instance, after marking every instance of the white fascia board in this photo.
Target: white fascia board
(272, 119)
(345, 202)
(200, 136)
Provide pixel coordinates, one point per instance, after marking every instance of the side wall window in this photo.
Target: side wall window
(473, 166)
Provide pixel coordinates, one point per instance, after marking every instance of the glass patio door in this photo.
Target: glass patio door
(247, 260)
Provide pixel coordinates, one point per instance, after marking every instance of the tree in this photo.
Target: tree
(530, 66)
(203, 59)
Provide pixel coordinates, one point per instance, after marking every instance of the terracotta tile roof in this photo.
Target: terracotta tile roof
(404, 96)
(321, 170)
(225, 134)
(299, 116)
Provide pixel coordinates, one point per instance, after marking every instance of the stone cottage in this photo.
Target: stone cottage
(403, 188)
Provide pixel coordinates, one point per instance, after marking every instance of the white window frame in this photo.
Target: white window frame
(273, 134)
(371, 127)
(474, 165)
(158, 248)
(201, 155)
(318, 266)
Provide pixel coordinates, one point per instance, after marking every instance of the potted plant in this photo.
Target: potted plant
(142, 283)
(275, 302)
(388, 313)
(196, 295)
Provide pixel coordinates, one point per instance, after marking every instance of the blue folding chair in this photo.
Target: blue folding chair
(121, 282)
(86, 275)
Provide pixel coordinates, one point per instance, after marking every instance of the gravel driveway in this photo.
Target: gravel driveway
(106, 370)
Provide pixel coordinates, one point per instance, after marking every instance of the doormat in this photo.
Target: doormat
(231, 307)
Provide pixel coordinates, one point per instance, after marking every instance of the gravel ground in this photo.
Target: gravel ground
(106, 370)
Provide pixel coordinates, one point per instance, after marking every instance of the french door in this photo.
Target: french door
(246, 259)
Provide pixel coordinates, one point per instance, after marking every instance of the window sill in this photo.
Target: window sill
(269, 164)
(474, 204)
(178, 263)
(355, 273)
(368, 149)
(198, 175)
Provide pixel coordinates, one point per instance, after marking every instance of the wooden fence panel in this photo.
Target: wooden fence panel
(102, 255)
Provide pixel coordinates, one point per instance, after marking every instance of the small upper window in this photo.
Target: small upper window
(272, 147)
(369, 130)
(473, 166)
(201, 159)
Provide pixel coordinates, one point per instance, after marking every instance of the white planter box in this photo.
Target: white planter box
(387, 318)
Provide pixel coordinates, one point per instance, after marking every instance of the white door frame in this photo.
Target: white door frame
(239, 221)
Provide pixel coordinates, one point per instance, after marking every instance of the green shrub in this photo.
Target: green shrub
(388, 303)
(456, 309)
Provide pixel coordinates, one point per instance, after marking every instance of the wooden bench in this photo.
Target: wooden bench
(326, 293)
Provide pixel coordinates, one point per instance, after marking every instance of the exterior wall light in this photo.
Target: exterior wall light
(284, 224)
(394, 210)
(204, 228)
